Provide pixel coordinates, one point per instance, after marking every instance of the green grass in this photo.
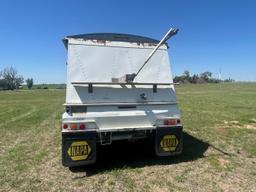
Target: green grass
(219, 146)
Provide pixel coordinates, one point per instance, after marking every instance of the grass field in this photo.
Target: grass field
(219, 146)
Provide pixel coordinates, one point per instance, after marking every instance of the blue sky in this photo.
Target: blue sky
(214, 34)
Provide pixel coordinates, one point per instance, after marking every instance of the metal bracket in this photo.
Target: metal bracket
(154, 88)
(90, 88)
(105, 138)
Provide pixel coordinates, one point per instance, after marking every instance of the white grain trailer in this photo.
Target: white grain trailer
(119, 87)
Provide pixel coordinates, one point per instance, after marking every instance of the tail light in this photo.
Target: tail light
(73, 126)
(82, 126)
(168, 122)
(65, 126)
(79, 126)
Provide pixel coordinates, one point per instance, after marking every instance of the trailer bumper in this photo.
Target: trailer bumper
(168, 141)
(78, 148)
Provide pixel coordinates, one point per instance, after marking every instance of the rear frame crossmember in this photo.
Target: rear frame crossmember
(90, 84)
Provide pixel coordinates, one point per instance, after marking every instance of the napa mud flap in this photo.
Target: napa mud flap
(78, 148)
(168, 141)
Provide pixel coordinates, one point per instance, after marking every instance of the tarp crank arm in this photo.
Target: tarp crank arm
(168, 35)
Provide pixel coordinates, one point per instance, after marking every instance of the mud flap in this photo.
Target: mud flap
(168, 141)
(78, 148)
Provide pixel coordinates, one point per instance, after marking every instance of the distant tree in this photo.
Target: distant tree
(214, 80)
(194, 79)
(200, 80)
(186, 74)
(206, 76)
(177, 79)
(184, 78)
(18, 81)
(229, 80)
(3, 84)
(11, 78)
(30, 82)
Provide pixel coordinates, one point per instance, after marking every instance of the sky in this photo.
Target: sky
(215, 35)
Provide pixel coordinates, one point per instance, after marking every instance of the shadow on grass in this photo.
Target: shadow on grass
(140, 154)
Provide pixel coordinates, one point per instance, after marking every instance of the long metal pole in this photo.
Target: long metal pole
(170, 33)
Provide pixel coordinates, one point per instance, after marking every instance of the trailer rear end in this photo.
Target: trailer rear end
(106, 100)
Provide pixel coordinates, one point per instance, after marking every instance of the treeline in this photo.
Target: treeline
(205, 77)
(50, 86)
(10, 79)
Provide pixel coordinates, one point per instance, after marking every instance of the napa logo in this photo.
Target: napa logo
(169, 143)
(79, 150)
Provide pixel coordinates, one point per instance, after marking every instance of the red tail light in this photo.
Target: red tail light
(166, 122)
(82, 126)
(76, 126)
(171, 121)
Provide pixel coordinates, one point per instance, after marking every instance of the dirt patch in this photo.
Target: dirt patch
(222, 128)
(224, 162)
(250, 126)
(231, 122)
